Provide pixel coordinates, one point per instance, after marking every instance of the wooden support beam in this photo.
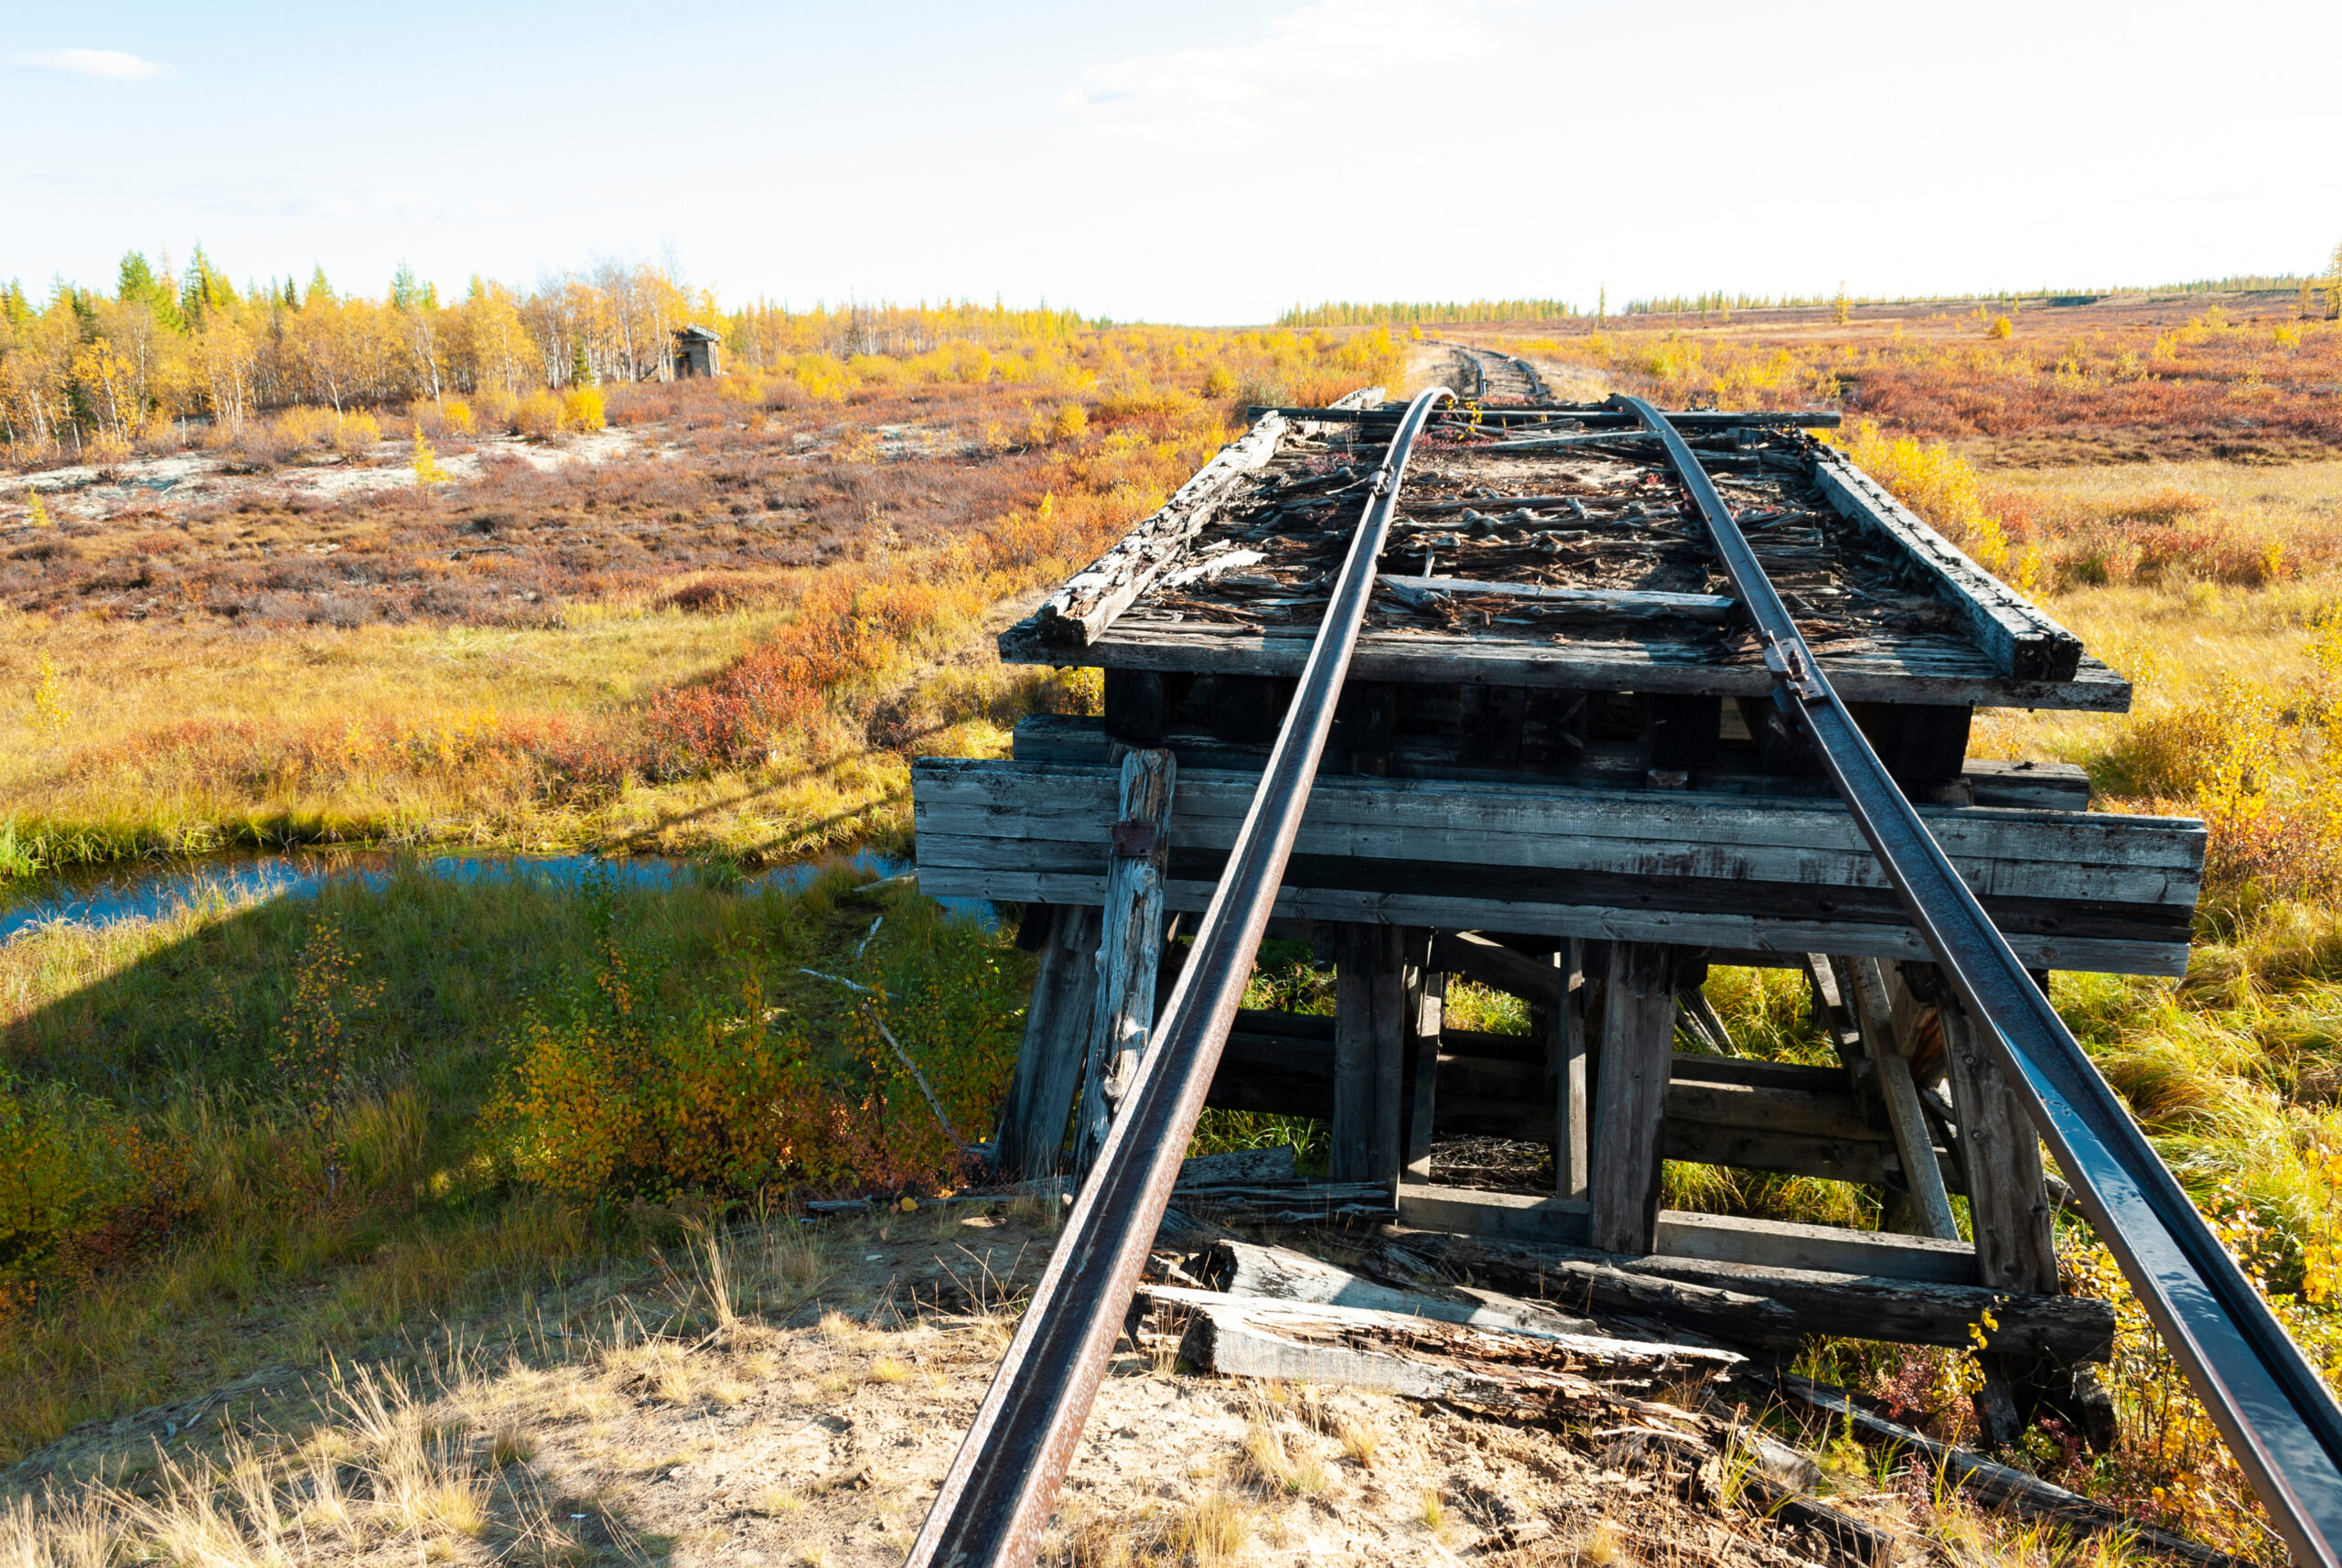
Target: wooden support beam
(1752, 1303)
(1573, 1079)
(1369, 1027)
(1130, 948)
(1915, 1143)
(1718, 1238)
(1426, 1005)
(1031, 1139)
(1637, 1033)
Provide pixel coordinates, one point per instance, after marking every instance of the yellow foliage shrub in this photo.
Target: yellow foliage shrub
(822, 378)
(456, 414)
(1070, 422)
(537, 416)
(581, 409)
(306, 427)
(1218, 382)
(355, 435)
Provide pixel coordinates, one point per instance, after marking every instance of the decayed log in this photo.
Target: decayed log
(1130, 948)
(1031, 1139)
(1581, 1281)
(2000, 1486)
(1079, 614)
(1294, 1203)
(1279, 1273)
(1419, 1356)
(1771, 1305)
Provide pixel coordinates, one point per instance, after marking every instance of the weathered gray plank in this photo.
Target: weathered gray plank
(1915, 1142)
(1573, 1111)
(1031, 1138)
(2008, 1202)
(1248, 1269)
(1630, 1097)
(1369, 1026)
(1765, 1305)
(2012, 630)
(1426, 1004)
(1749, 932)
(1130, 948)
(1694, 606)
(1917, 671)
(1080, 611)
(1723, 1239)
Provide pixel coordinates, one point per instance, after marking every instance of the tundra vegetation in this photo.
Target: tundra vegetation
(285, 566)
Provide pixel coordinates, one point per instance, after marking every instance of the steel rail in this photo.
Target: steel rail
(2280, 1420)
(997, 1495)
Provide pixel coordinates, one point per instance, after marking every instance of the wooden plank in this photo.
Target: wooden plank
(1420, 591)
(1630, 1097)
(2021, 640)
(1451, 819)
(1031, 1137)
(1747, 932)
(2008, 1202)
(1130, 948)
(1490, 963)
(1918, 668)
(1280, 1273)
(1426, 1004)
(1915, 1142)
(1079, 612)
(1369, 1025)
(1573, 1081)
(1770, 1305)
(1721, 1239)
(1420, 1358)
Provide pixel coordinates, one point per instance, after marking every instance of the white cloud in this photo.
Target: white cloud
(1330, 64)
(110, 63)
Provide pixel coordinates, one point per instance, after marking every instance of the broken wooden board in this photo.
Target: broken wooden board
(1280, 1273)
(1420, 1358)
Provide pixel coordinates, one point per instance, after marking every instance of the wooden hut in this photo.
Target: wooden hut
(695, 352)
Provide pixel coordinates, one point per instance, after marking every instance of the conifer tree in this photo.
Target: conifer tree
(581, 369)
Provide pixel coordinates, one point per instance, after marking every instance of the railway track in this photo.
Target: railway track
(1492, 377)
(2270, 1404)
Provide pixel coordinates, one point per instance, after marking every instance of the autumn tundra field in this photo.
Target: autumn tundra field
(457, 1217)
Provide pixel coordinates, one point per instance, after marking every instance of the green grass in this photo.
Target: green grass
(292, 1241)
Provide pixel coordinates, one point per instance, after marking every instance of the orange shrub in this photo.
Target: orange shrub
(537, 416)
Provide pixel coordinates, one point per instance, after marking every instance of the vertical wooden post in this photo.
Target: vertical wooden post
(1571, 1172)
(1130, 947)
(1915, 1141)
(2008, 1203)
(1426, 1006)
(1369, 1004)
(1638, 1035)
(1031, 1139)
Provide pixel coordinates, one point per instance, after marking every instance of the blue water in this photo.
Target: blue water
(150, 890)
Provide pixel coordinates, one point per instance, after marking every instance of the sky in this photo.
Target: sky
(1211, 162)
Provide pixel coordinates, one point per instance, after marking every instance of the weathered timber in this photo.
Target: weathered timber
(1630, 1098)
(1418, 1356)
(1914, 1139)
(1130, 947)
(1369, 1026)
(1487, 962)
(1592, 1283)
(1916, 668)
(1079, 612)
(1065, 738)
(1031, 1138)
(1589, 414)
(1573, 1081)
(1772, 1243)
(1248, 1269)
(2075, 890)
(2007, 1200)
(2021, 640)
(1694, 606)
(1426, 1006)
(2001, 1485)
(1291, 1203)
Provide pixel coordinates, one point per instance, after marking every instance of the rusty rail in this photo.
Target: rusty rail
(2271, 1405)
(997, 1495)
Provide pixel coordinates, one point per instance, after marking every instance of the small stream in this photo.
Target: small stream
(151, 890)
